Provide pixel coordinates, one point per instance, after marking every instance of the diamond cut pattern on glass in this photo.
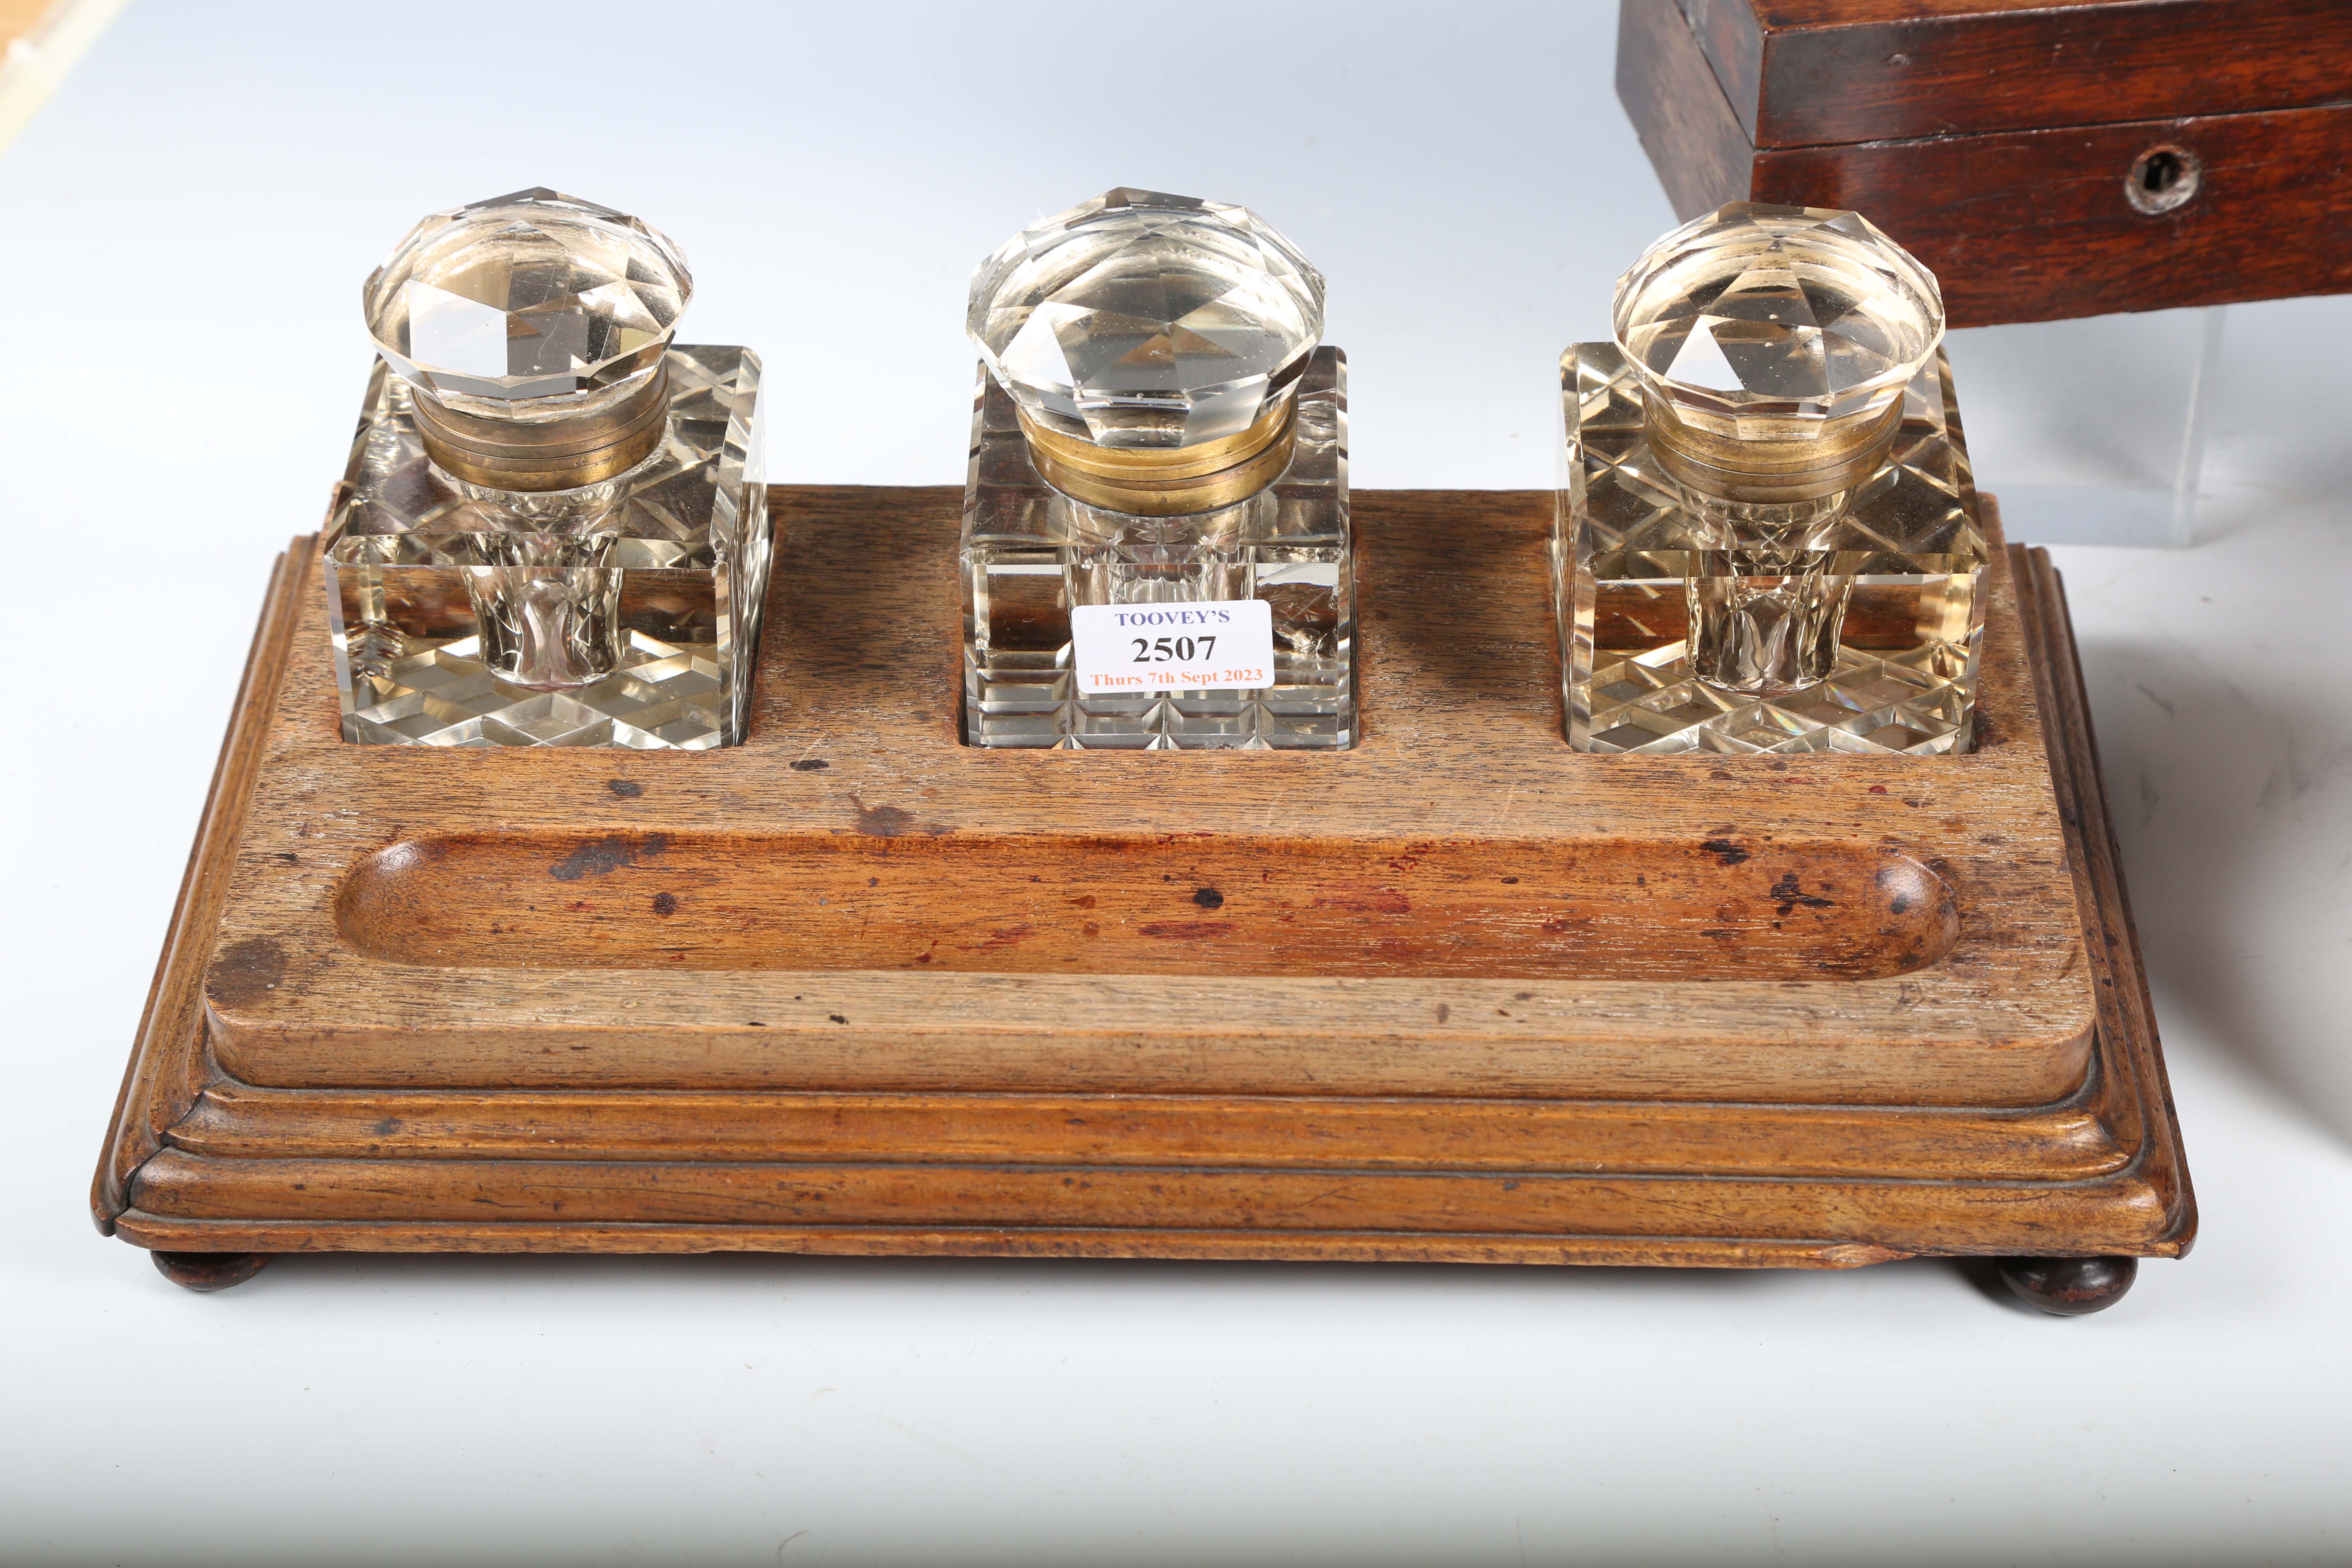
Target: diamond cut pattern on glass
(1144, 320)
(1776, 310)
(1624, 550)
(528, 296)
(683, 550)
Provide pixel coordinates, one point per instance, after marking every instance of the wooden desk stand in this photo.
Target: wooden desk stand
(1459, 994)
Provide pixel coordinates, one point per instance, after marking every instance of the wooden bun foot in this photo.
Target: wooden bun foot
(210, 1270)
(2070, 1286)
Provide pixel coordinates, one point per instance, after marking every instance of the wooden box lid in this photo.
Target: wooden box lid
(1999, 139)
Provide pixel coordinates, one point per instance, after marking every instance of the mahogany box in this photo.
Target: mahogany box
(2046, 158)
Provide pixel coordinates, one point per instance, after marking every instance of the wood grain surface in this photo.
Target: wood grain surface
(1810, 73)
(1995, 141)
(1459, 904)
(398, 1050)
(1258, 905)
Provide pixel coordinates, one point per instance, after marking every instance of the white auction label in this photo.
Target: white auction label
(1217, 644)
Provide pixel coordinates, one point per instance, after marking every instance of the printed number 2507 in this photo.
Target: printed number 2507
(1180, 650)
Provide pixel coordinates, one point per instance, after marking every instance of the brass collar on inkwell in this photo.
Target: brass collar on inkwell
(1773, 344)
(517, 398)
(1166, 481)
(1766, 466)
(1153, 346)
(566, 452)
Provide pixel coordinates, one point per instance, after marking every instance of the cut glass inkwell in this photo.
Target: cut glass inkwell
(1155, 546)
(553, 529)
(1767, 538)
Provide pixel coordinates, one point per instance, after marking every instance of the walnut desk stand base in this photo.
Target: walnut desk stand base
(1459, 994)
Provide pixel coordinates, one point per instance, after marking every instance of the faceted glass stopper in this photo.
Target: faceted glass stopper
(531, 306)
(1142, 321)
(1756, 321)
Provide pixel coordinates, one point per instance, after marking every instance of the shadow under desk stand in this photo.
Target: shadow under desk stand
(1458, 994)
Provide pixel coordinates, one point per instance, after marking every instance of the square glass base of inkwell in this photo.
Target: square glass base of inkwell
(1030, 554)
(1884, 600)
(626, 614)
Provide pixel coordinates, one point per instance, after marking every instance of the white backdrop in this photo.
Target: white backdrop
(187, 225)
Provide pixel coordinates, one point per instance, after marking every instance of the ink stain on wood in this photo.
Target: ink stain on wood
(1788, 894)
(1185, 930)
(605, 856)
(884, 821)
(246, 971)
(890, 821)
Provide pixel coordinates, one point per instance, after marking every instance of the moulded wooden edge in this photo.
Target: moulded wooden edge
(1291, 1208)
(166, 1068)
(980, 1241)
(2135, 1075)
(2064, 1141)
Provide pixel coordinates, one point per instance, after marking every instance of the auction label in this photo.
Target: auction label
(1210, 644)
